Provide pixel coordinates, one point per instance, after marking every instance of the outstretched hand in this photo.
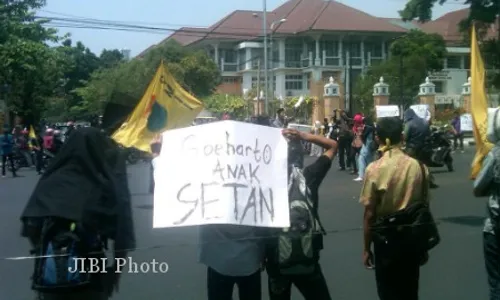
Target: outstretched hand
(292, 133)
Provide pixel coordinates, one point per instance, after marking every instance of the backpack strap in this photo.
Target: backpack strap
(425, 190)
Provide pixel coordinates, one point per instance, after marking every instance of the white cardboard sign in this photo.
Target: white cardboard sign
(466, 122)
(420, 110)
(222, 173)
(385, 111)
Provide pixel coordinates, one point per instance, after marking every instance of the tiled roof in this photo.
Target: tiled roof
(315, 15)
(447, 26)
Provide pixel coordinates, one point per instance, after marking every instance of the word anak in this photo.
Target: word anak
(264, 154)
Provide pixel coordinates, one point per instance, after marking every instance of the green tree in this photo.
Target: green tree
(412, 57)
(110, 58)
(194, 70)
(483, 12)
(28, 66)
(236, 106)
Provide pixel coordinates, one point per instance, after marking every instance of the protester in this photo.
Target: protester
(23, 146)
(458, 135)
(280, 119)
(70, 130)
(82, 199)
(37, 144)
(48, 141)
(367, 152)
(155, 150)
(416, 133)
(305, 274)
(344, 139)
(326, 127)
(357, 142)
(391, 184)
(7, 151)
(487, 184)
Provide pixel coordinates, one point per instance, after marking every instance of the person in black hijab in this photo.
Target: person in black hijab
(85, 183)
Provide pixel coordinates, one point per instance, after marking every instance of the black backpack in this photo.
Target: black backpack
(298, 249)
(57, 264)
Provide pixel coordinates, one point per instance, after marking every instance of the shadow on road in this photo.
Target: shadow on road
(473, 221)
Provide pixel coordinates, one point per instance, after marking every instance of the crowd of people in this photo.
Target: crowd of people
(395, 188)
(29, 147)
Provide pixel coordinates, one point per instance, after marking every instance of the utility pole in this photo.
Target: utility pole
(258, 88)
(351, 98)
(401, 83)
(266, 80)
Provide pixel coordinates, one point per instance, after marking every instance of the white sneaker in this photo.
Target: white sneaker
(358, 179)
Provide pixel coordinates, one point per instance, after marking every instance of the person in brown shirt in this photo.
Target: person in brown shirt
(391, 184)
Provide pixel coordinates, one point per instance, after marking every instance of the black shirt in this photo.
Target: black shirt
(314, 175)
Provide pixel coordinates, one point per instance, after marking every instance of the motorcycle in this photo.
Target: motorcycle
(437, 152)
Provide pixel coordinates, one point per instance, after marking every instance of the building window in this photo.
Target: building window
(230, 80)
(330, 47)
(467, 62)
(229, 56)
(294, 82)
(293, 53)
(242, 56)
(439, 89)
(255, 80)
(354, 50)
(454, 62)
(375, 51)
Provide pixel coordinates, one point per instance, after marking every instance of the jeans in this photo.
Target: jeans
(397, 279)
(10, 158)
(27, 156)
(312, 286)
(39, 160)
(344, 150)
(491, 247)
(220, 287)
(458, 137)
(364, 159)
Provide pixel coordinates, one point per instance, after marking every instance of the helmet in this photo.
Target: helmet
(57, 132)
(70, 123)
(49, 130)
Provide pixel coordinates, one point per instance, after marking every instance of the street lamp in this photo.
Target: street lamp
(273, 25)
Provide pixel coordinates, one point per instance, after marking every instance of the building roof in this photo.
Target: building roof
(316, 15)
(447, 26)
(322, 15)
(301, 15)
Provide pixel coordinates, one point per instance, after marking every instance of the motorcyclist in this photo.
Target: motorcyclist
(416, 132)
(48, 141)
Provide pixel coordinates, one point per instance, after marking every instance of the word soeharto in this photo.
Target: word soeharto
(126, 265)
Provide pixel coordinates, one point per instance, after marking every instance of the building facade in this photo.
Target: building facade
(312, 40)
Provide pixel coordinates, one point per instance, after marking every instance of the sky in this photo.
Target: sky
(172, 14)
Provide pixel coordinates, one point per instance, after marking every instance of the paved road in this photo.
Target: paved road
(455, 270)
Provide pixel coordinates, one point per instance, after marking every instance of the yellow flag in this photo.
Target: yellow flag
(165, 105)
(32, 134)
(478, 105)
